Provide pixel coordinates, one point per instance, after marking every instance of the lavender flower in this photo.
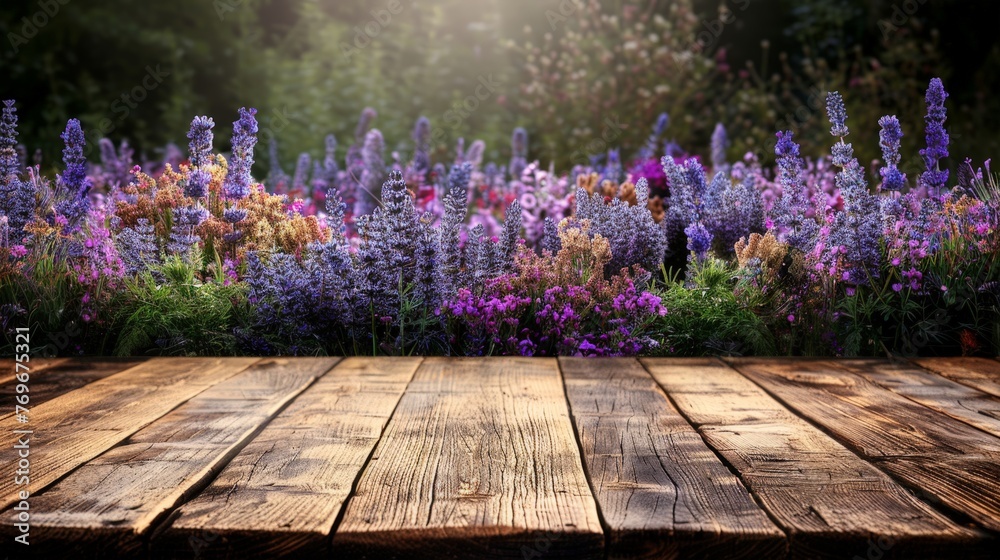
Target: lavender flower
(388, 244)
(74, 185)
(197, 184)
(300, 181)
(733, 212)
(364, 124)
(426, 251)
(17, 197)
(238, 180)
(633, 235)
(652, 147)
(838, 114)
(508, 244)
(935, 179)
(330, 168)
(277, 179)
(790, 212)
(475, 154)
(519, 148)
(201, 137)
(373, 156)
(116, 163)
(892, 178)
(720, 143)
(857, 231)
(550, 239)
(234, 215)
(10, 166)
(137, 247)
(422, 142)
(456, 206)
(699, 240)
(182, 235)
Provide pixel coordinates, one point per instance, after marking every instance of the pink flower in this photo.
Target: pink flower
(18, 251)
(791, 318)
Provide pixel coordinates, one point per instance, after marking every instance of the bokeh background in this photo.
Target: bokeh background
(568, 71)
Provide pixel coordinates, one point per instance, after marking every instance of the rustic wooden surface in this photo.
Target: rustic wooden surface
(507, 458)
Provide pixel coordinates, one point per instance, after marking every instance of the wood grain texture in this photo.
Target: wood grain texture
(943, 459)
(831, 503)
(281, 495)
(61, 377)
(478, 461)
(980, 373)
(78, 426)
(107, 506)
(934, 391)
(662, 492)
(8, 369)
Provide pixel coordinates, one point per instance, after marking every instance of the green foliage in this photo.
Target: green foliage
(47, 301)
(704, 316)
(168, 311)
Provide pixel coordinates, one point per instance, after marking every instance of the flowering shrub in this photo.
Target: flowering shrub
(558, 304)
(818, 256)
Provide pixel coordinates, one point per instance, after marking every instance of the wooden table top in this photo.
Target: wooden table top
(504, 458)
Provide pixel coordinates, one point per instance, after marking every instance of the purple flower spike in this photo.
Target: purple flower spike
(935, 178)
(238, 181)
(892, 178)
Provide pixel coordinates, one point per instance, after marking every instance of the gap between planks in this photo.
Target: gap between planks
(945, 461)
(828, 500)
(76, 427)
(107, 506)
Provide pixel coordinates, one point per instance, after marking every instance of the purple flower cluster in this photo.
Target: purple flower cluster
(634, 237)
(74, 184)
(17, 197)
(935, 178)
(559, 320)
(790, 215)
(201, 138)
(238, 179)
(893, 179)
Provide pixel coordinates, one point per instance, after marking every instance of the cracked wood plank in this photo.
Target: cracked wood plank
(78, 426)
(946, 461)
(979, 373)
(934, 391)
(662, 492)
(107, 506)
(479, 461)
(280, 496)
(61, 376)
(831, 503)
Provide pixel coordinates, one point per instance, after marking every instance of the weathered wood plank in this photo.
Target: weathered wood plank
(107, 506)
(830, 502)
(934, 391)
(61, 377)
(979, 373)
(78, 426)
(662, 492)
(944, 459)
(8, 369)
(479, 460)
(281, 495)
